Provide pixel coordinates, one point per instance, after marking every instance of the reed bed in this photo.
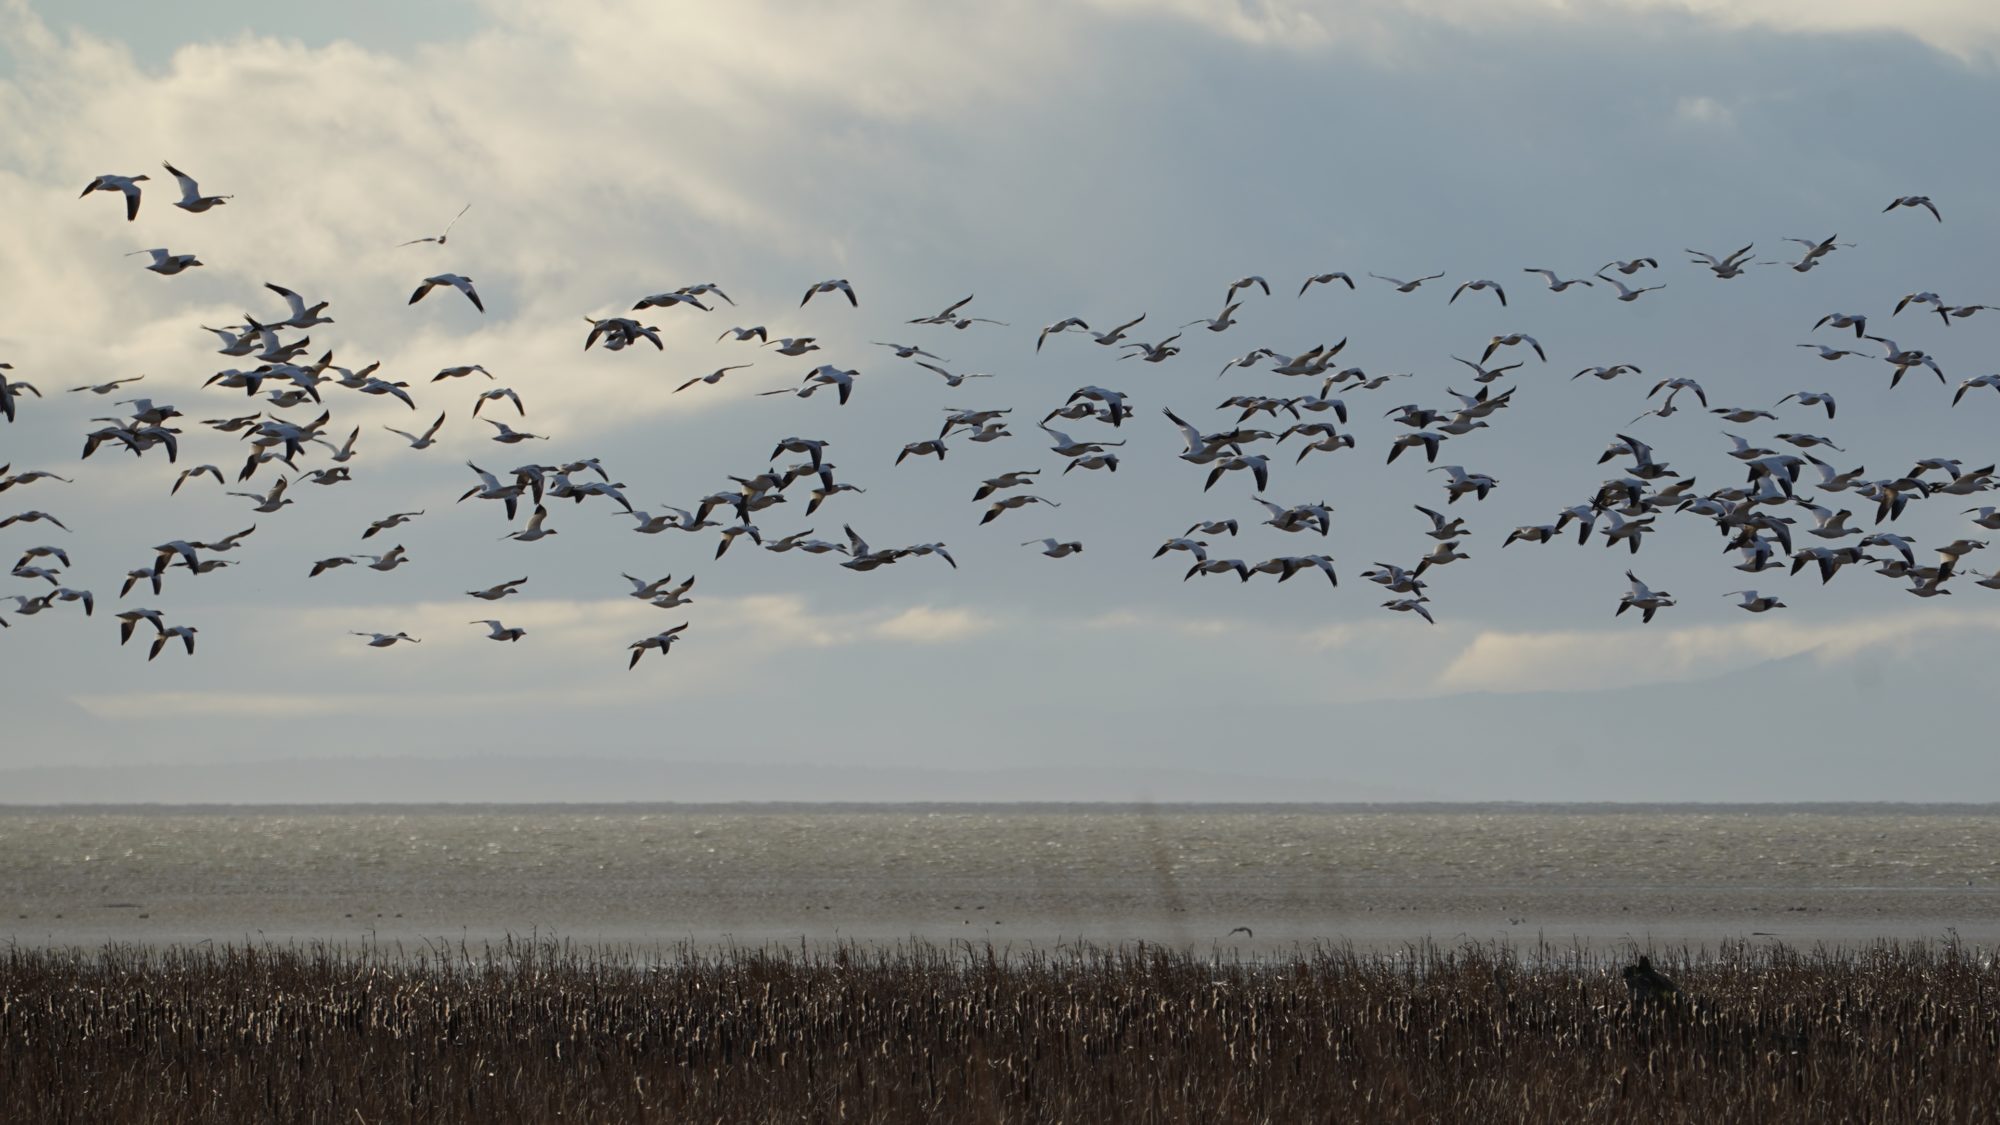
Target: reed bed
(544, 1031)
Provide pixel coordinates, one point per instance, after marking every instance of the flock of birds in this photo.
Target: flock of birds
(1783, 515)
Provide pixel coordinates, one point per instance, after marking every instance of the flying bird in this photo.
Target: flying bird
(446, 233)
(456, 281)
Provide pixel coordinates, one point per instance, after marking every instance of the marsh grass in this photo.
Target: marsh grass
(544, 1031)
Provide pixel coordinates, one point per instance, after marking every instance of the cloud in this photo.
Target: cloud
(1703, 110)
(1499, 661)
(926, 625)
(1965, 29)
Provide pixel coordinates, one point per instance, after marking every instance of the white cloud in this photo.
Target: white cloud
(926, 625)
(1703, 110)
(1968, 29)
(1579, 660)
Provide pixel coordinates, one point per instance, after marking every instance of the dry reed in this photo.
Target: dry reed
(546, 1031)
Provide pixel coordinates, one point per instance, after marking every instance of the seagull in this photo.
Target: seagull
(1325, 279)
(1442, 529)
(1510, 339)
(534, 530)
(620, 332)
(130, 619)
(499, 632)
(704, 288)
(947, 316)
(1068, 446)
(440, 238)
(127, 184)
(838, 285)
(1411, 605)
(1222, 321)
(1154, 353)
(662, 642)
(1829, 523)
(825, 375)
(669, 300)
(1462, 482)
(462, 284)
(927, 448)
(1557, 284)
(1207, 566)
(395, 558)
(812, 447)
(105, 388)
(383, 640)
(269, 501)
(507, 435)
(1902, 359)
(1406, 286)
(952, 379)
(1631, 267)
(1724, 268)
(495, 395)
(1924, 298)
(1014, 479)
(1055, 549)
(1059, 327)
(167, 263)
(1482, 283)
(1007, 503)
(1196, 547)
(495, 593)
(185, 633)
(1116, 334)
(1483, 374)
(192, 200)
(647, 591)
(1441, 555)
(1285, 566)
(324, 565)
(1923, 201)
(1242, 283)
(794, 345)
(1992, 381)
(1424, 438)
(712, 377)
(1643, 598)
(1856, 321)
(428, 438)
(1626, 293)
(1676, 386)
(387, 523)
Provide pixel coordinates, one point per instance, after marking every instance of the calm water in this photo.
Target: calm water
(1182, 874)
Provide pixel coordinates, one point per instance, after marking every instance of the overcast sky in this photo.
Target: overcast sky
(1097, 160)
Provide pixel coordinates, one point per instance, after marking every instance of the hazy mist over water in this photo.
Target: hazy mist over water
(1021, 874)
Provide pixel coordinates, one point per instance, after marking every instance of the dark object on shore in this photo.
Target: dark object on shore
(1649, 986)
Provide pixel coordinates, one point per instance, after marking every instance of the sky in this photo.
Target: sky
(1097, 160)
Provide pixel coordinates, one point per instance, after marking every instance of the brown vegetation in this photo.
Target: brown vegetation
(544, 1032)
